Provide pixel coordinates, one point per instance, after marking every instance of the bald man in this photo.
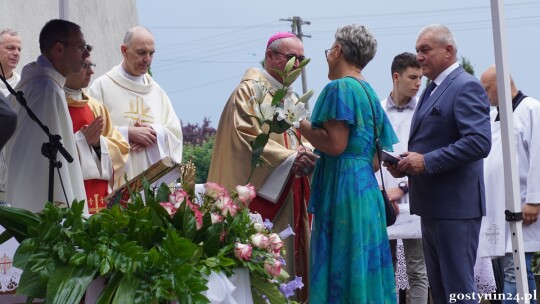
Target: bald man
(526, 111)
(138, 106)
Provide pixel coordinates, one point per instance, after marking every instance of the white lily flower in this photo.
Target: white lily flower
(260, 90)
(264, 111)
(292, 113)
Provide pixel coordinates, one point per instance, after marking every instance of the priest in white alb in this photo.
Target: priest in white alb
(63, 50)
(495, 239)
(138, 106)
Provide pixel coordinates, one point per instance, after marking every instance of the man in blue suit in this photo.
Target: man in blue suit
(450, 135)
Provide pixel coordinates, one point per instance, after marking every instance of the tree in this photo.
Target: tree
(195, 134)
(467, 65)
(198, 146)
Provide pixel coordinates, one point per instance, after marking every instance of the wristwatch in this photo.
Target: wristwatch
(404, 187)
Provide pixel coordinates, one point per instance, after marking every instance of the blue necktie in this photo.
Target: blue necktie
(427, 93)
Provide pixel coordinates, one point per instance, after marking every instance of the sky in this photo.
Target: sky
(203, 47)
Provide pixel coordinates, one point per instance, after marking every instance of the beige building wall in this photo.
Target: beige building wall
(103, 23)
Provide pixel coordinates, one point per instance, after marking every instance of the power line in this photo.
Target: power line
(204, 84)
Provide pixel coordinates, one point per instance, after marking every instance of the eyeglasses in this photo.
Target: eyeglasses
(89, 66)
(289, 56)
(80, 48)
(328, 51)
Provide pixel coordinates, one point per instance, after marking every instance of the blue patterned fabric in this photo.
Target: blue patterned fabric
(350, 254)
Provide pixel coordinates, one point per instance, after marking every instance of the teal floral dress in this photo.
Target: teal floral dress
(350, 260)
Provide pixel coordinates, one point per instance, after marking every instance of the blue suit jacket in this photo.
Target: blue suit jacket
(452, 130)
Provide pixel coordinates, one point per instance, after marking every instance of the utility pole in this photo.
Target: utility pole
(297, 23)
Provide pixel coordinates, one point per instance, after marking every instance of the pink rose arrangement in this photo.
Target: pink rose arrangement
(220, 221)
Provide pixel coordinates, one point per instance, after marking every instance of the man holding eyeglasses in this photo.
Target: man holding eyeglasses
(63, 51)
(139, 107)
(230, 163)
(103, 151)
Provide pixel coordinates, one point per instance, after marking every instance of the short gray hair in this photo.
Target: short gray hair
(131, 31)
(7, 32)
(442, 34)
(357, 43)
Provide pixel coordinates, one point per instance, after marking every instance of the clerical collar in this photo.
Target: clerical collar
(391, 104)
(74, 94)
(137, 79)
(515, 103)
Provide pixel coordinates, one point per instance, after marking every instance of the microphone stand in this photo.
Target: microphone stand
(48, 149)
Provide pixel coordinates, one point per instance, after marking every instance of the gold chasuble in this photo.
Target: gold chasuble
(106, 170)
(231, 165)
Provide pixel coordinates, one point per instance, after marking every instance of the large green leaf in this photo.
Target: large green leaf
(30, 285)
(69, 283)
(125, 293)
(211, 246)
(257, 148)
(259, 287)
(5, 236)
(279, 126)
(108, 292)
(17, 221)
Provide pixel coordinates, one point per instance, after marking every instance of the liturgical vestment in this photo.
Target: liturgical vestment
(129, 102)
(231, 165)
(28, 169)
(104, 172)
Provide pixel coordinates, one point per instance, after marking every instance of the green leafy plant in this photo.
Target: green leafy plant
(154, 250)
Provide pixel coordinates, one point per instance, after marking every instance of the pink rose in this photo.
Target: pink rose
(246, 193)
(214, 190)
(273, 267)
(198, 214)
(242, 251)
(275, 242)
(177, 197)
(216, 218)
(222, 201)
(227, 205)
(169, 207)
(223, 235)
(259, 226)
(260, 240)
(232, 207)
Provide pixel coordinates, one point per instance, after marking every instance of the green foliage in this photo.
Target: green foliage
(151, 251)
(200, 155)
(467, 65)
(137, 248)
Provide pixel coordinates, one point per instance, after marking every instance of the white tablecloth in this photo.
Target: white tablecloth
(9, 275)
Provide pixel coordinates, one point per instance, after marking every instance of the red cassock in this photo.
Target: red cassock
(96, 189)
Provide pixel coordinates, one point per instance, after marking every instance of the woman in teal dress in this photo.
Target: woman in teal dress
(350, 256)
